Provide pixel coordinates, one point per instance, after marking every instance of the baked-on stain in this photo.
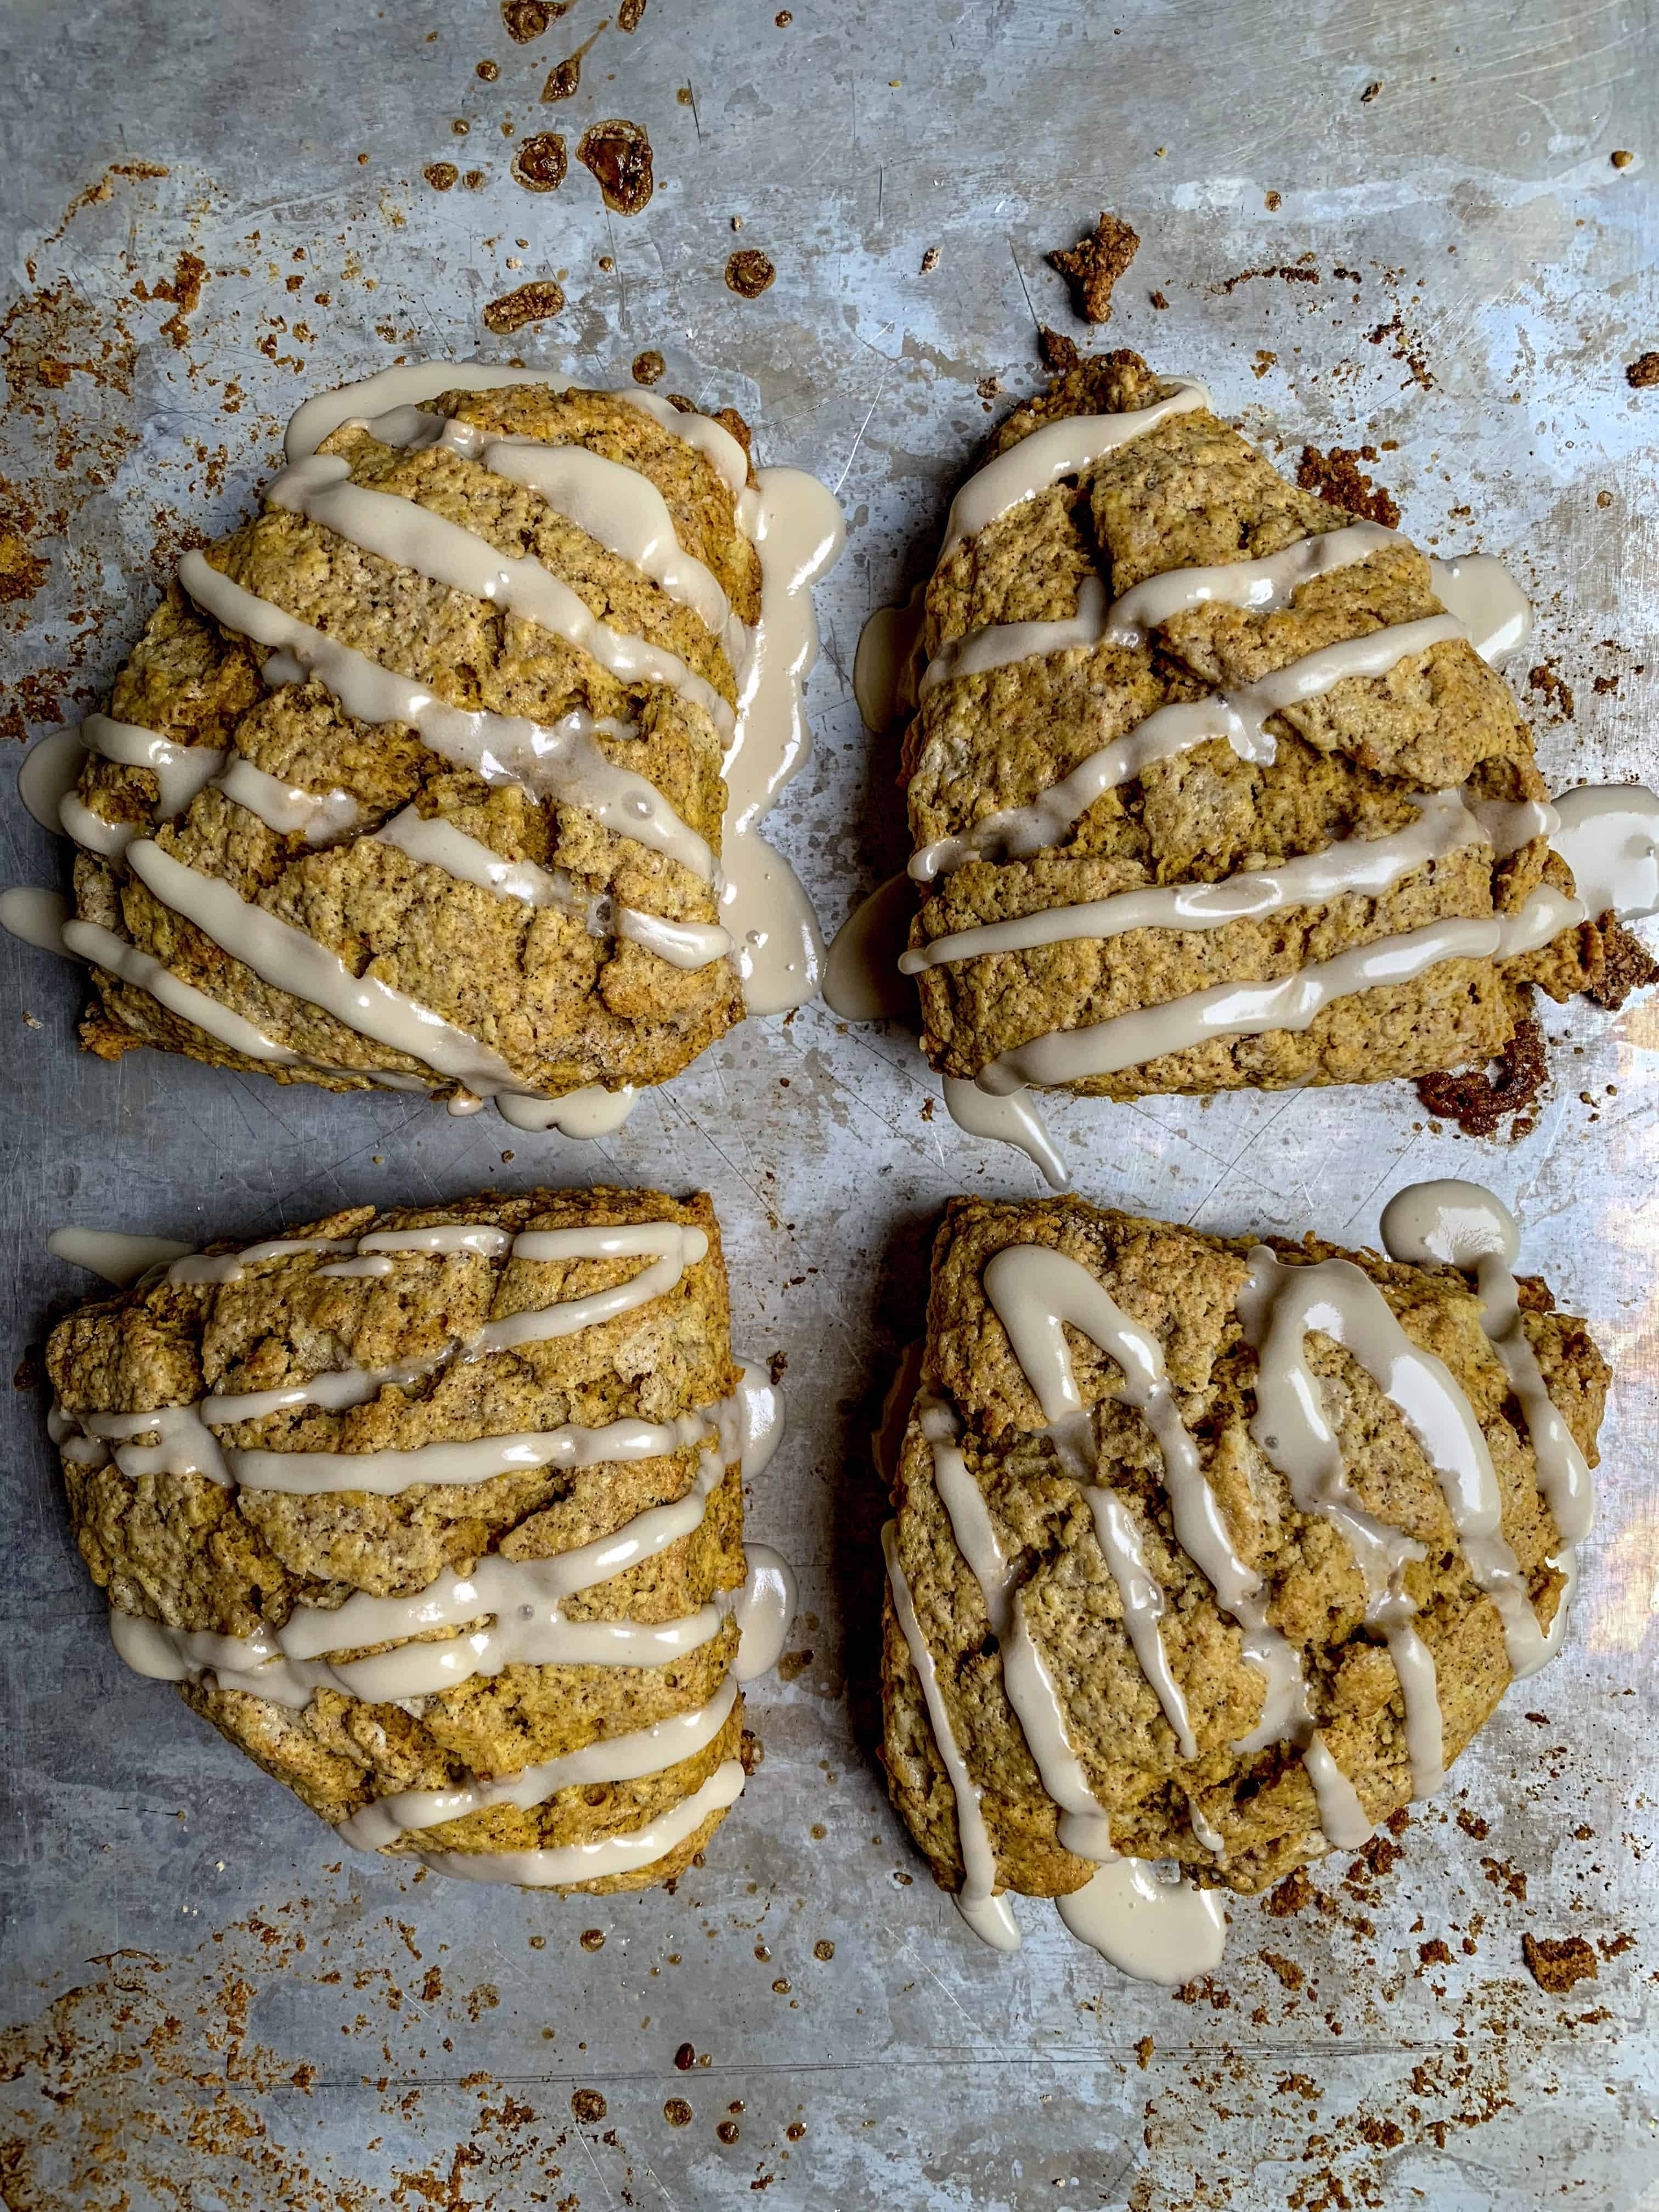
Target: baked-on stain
(677, 2113)
(529, 303)
(618, 153)
(565, 77)
(1556, 1962)
(748, 273)
(441, 175)
(183, 290)
(1478, 1098)
(649, 367)
(1340, 482)
(540, 163)
(527, 18)
(588, 2106)
(629, 14)
(488, 70)
(1644, 372)
(1093, 266)
(22, 573)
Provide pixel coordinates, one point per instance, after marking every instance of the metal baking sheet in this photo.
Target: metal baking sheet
(209, 2004)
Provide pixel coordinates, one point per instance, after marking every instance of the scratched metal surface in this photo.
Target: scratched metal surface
(208, 2007)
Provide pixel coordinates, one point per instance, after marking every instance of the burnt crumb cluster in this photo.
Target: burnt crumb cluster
(1093, 266)
(1337, 478)
(1480, 1099)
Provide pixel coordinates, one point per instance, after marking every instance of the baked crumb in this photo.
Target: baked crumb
(1626, 966)
(1370, 91)
(649, 367)
(442, 176)
(1622, 157)
(1644, 372)
(1478, 1098)
(1337, 478)
(1093, 266)
(930, 261)
(1556, 1962)
(1058, 354)
(529, 303)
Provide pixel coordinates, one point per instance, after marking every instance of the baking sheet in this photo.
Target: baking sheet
(210, 2005)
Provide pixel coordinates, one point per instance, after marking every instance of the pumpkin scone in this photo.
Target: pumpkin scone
(1215, 1553)
(1210, 786)
(437, 1513)
(443, 772)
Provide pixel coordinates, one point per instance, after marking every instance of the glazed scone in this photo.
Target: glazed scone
(1212, 1551)
(416, 778)
(438, 1515)
(1207, 789)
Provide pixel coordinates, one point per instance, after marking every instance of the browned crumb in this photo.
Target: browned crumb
(1093, 266)
(474, 181)
(1546, 679)
(930, 261)
(778, 1367)
(592, 1939)
(1286, 1969)
(1556, 1962)
(587, 2105)
(649, 367)
(1339, 480)
(1158, 299)
(783, 19)
(1272, 201)
(441, 175)
(22, 573)
(540, 163)
(1622, 157)
(527, 18)
(629, 14)
(1627, 965)
(488, 70)
(1370, 91)
(529, 303)
(25, 1375)
(1478, 1098)
(1057, 352)
(1290, 1897)
(1644, 372)
(677, 2113)
(1435, 1951)
(989, 387)
(618, 153)
(1143, 2052)
(748, 273)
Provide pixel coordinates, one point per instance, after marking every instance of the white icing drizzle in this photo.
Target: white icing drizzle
(1241, 717)
(181, 771)
(559, 761)
(1059, 449)
(1238, 1009)
(50, 771)
(90, 940)
(863, 976)
(414, 537)
(1366, 866)
(1343, 1819)
(1463, 1226)
(388, 1473)
(201, 1268)
(288, 808)
(592, 1111)
(1257, 587)
(629, 1758)
(604, 1855)
(1000, 645)
(989, 1915)
(401, 386)
(38, 918)
(1486, 599)
(710, 438)
(1608, 835)
(432, 841)
(763, 1608)
(1010, 1119)
(108, 839)
(887, 667)
(1157, 1931)
(119, 1259)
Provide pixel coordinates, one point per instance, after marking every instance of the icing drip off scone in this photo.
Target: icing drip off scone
(1210, 788)
(483, 715)
(1193, 1599)
(556, 1683)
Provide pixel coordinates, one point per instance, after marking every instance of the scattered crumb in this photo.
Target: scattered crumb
(989, 387)
(1546, 679)
(587, 2105)
(592, 1939)
(1644, 372)
(1093, 266)
(442, 176)
(1272, 201)
(530, 303)
(1622, 157)
(748, 273)
(1556, 1962)
(1626, 965)
(1291, 1894)
(1143, 2052)
(1370, 91)
(1478, 1098)
(1057, 352)
(649, 367)
(1340, 482)
(1157, 299)
(1286, 1969)
(930, 261)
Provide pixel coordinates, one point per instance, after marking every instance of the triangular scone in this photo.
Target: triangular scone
(438, 1516)
(1037, 781)
(1155, 1611)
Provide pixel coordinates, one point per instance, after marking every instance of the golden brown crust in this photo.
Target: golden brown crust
(1192, 492)
(563, 1008)
(1184, 1288)
(194, 1554)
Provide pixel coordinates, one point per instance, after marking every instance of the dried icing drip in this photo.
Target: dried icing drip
(1487, 600)
(1047, 456)
(38, 918)
(887, 667)
(763, 1609)
(1168, 1932)
(628, 1758)
(605, 1855)
(1009, 1120)
(863, 974)
(989, 1915)
(119, 1259)
(51, 769)
(1240, 717)
(1463, 1226)
(593, 1111)
(1608, 835)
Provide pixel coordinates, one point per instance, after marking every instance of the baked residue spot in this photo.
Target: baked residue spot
(587, 2105)
(929, 260)
(618, 153)
(529, 303)
(649, 367)
(629, 14)
(488, 70)
(1547, 680)
(1370, 91)
(1340, 482)
(565, 77)
(1478, 1098)
(1094, 265)
(677, 2113)
(442, 176)
(527, 18)
(22, 573)
(1402, 350)
(1556, 1962)
(1157, 299)
(183, 288)
(540, 163)
(1291, 1894)
(1644, 372)
(748, 273)
(1288, 272)
(1626, 965)
(1057, 352)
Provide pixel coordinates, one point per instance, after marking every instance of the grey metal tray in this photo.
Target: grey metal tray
(212, 2006)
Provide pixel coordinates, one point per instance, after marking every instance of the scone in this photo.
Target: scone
(417, 779)
(438, 1515)
(1208, 784)
(1215, 1553)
